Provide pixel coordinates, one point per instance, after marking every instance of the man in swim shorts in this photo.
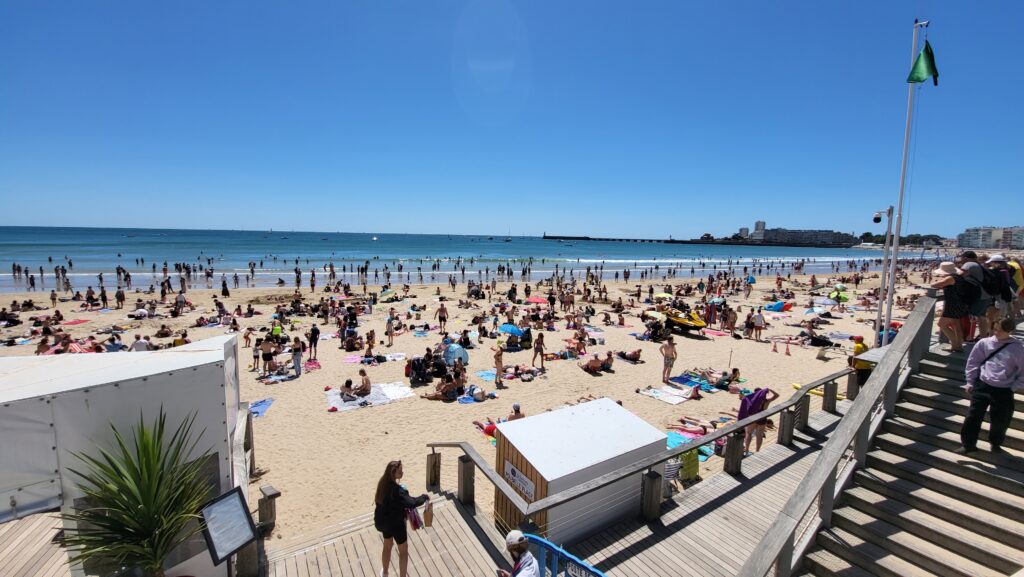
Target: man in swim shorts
(668, 352)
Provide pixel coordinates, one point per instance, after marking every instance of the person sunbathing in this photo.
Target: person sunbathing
(632, 356)
(446, 390)
(609, 360)
(364, 387)
(593, 366)
(692, 425)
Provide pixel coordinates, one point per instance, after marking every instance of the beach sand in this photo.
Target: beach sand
(327, 464)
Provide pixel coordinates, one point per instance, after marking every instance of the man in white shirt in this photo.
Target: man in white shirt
(139, 344)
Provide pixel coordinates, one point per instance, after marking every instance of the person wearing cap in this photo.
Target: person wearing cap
(862, 368)
(955, 306)
(994, 371)
(516, 413)
(524, 564)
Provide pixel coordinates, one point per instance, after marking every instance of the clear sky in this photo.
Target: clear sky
(452, 116)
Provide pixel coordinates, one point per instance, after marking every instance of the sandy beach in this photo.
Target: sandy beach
(327, 464)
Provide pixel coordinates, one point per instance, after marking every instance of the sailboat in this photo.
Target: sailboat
(509, 237)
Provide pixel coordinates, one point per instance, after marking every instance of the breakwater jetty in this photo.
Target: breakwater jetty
(719, 241)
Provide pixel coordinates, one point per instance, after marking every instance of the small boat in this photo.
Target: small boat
(690, 321)
(374, 238)
(508, 239)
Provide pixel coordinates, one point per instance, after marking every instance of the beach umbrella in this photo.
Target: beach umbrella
(662, 296)
(751, 279)
(387, 292)
(453, 352)
(511, 329)
(839, 296)
(654, 315)
(537, 300)
(839, 287)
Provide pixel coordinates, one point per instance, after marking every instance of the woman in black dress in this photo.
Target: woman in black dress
(391, 502)
(954, 307)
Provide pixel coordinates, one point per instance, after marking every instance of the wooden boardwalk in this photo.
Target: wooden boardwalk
(711, 528)
(27, 548)
(455, 546)
(708, 530)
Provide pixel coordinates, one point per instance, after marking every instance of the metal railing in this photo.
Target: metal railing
(794, 415)
(810, 507)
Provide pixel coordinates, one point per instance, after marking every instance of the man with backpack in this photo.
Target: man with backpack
(1004, 284)
(995, 370)
(978, 299)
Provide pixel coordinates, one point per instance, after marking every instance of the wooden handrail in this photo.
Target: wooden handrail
(642, 465)
(781, 535)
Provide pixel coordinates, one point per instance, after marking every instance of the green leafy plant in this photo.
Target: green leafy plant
(142, 498)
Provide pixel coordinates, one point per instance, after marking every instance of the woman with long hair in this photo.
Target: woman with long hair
(391, 502)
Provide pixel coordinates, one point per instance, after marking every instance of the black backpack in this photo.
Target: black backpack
(969, 290)
(991, 282)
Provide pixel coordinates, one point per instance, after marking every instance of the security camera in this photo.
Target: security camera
(878, 218)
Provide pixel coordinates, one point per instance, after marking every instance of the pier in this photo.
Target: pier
(717, 241)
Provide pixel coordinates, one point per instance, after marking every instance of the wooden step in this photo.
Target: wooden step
(957, 360)
(953, 422)
(941, 533)
(963, 465)
(876, 560)
(939, 369)
(937, 384)
(908, 546)
(950, 484)
(822, 563)
(956, 402)
(952, 509)
(1012, 460)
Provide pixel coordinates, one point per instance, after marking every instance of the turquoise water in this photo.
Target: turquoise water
(95, 250)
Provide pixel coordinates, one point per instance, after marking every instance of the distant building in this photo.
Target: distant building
(745, 232)
(758, 231)
(784, 235)
(992, 237)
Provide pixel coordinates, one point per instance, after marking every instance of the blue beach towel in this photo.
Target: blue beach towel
(259, 408)
(421, 334)
(466, 400)
(487, 375)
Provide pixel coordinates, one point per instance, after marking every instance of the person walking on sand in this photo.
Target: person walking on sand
(390, 503)
(668, 352)
(441, 314)
(314, 339)
(994, 371)
(759, 324)
(538, 350)
(499, 367)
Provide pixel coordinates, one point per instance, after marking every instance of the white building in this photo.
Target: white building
(52, 407)
(992, 237)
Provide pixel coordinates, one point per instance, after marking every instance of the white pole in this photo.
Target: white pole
(885, 267)
(899, 204)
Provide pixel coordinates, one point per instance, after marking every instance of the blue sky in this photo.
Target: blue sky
(453, 116)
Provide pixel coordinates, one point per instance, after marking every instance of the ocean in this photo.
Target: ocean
(91, 251)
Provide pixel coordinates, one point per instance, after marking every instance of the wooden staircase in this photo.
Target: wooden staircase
(920, 510)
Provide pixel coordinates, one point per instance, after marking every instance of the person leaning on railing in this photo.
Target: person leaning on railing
(525, 565)
(995, 370)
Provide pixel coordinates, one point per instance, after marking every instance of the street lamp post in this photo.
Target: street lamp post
(883, 287)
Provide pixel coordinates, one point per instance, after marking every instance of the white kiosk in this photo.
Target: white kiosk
(546, 453)
(54, 406)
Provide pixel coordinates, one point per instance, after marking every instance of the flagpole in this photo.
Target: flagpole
(891, 288)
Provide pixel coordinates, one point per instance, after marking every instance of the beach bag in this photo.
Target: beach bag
(428, 514)
(412, 514)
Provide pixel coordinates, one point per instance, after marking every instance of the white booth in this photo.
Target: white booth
(54, 406)
(546, 453)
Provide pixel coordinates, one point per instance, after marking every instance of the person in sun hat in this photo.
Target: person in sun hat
(955, 303)
(524, 563)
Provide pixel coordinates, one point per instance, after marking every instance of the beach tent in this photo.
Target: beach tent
(453, 352)
(510, 329)
(751, 279)
(839, 296)
(775, 307)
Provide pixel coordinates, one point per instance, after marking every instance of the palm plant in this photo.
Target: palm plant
(142, 498)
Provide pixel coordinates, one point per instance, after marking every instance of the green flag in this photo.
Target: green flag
(924, 66)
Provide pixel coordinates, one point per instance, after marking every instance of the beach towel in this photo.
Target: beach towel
(639, 337)
(378, 396)
(421, 334)
(715, 332)
(467, 400)
(105, 310)
(259, 408)
(395, 356)
(352, 359)
(691, 380)
(310, 365)
(752, 404)
(23, 341)
(75, 322)
(396, 391)
(663, 396)
(837, 336)
(487, 375)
